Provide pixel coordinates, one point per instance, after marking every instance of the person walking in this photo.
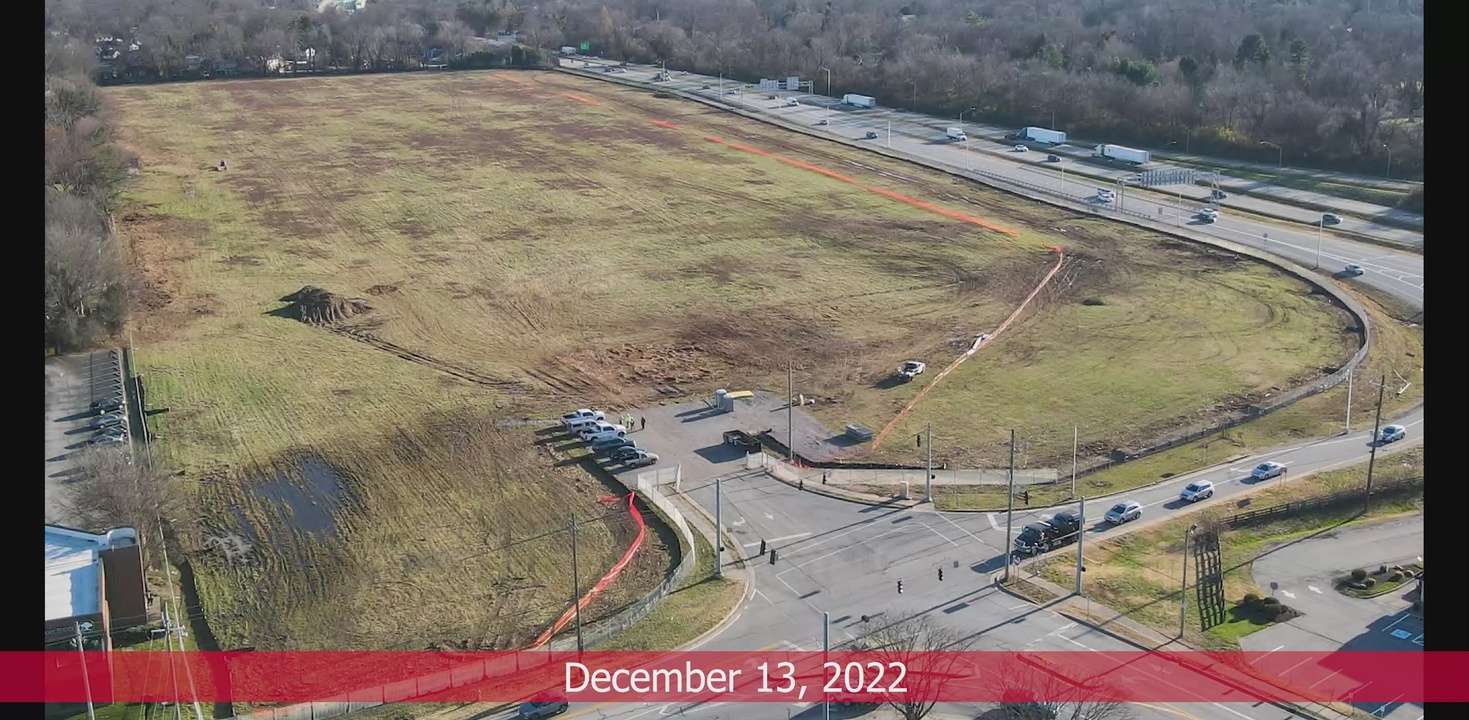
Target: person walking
(644, 423)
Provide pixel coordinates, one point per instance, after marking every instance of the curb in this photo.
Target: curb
(849, 495)
(741, 562)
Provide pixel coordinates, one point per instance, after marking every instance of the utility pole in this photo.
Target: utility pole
(828, 81)
(1183, 596)
(1376, 433)
(86, 681)
(1080, 538)
(1009, 505)
(1075, 438)
(825, 653)
(928, 480)
(790, 415)
(1350, 377)
(890, 134)
(576, 587)
(718, 530)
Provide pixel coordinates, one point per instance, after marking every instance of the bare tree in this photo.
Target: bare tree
(111, 490)
(930, 653)
(1033, 688)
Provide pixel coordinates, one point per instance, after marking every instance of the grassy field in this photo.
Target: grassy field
(1138, 573)
(527, 243)
(1397, 352)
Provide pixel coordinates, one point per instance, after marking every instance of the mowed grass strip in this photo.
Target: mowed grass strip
(1138, 574)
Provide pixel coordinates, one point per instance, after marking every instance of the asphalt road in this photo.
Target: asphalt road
(1399, 273)
(898, 122)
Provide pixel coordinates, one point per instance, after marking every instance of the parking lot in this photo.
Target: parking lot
(73, 384)
(690, 436)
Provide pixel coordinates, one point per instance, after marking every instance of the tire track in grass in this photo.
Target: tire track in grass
(602, 584)
(978, 343)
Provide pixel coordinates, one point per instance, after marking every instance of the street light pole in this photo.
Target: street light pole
(928, 479)
(1075, 436)
(576, 587)
(1080, 539)
(913, 105)
(1389, 161)
(1320, 229)
(1183, 599)
(828, 81)
(1376, 433)
(1009, 505)
(1280, 157)
(718, 530)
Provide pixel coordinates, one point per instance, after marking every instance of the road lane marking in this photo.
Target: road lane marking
(857, 544)
(1231, 710)
(993, 524)
(936, 532)
(1279, 648)
(1314, 589)
(1288, 594)
(1169, 709)
(797, 536)
(1313, 685)
(976, 538)
(1395, 622)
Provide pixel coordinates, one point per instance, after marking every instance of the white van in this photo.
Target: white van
(956, 134)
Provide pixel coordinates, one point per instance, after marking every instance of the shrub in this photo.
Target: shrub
(1250, 600)
(1359, 574)
(1270, 603)
(1397, 576)
(1273, 611)
(1369, 582)
(1381, 569)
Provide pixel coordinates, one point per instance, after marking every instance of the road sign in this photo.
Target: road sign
(793, 83)
(586, 46)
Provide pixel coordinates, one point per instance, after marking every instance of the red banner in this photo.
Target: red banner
(288, 677)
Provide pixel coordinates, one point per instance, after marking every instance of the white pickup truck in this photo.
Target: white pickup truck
(911, 369)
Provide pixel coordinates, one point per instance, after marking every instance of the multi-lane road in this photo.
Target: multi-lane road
(844, 560)
(1397, 272)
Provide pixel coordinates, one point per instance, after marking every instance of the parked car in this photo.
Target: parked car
(1329, 219)
(107, 420)
(576, 426)
(105, 439)
(1392, 433)
(1021, 148)
(583, 414)
(107, 403)
(641, 458)
(1267, 470)
(1353, 270)
(542, 708)
(608, 444)
(601, 430)
(623, 454)
(1196, 491)
(113, 430)
(1125, 511)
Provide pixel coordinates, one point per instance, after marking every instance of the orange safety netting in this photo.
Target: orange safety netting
(602, 584)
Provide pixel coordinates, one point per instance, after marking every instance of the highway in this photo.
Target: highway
(1292, 203)
(846, 559)
(1396, 272)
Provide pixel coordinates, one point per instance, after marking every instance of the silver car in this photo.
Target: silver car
(1125, 511)
(536, 709)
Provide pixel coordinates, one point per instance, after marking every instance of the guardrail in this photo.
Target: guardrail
(1052, 197)
(1335, 499)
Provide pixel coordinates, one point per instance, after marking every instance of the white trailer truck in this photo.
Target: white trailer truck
(861, 101)
(1042, 135)
(1125, 154)
(956, 134)
(568, 50)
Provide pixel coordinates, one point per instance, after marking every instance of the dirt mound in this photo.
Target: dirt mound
(382, 289)
(315, 306)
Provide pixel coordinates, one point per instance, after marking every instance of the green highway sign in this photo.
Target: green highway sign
(586, 46)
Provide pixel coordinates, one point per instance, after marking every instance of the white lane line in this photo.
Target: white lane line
(797, 536)
(974, 537)
(1282, 647)
(1313, 685)
(1314, 589)
(859, 543)
(1231, 710)
(1395, 622)
(936, 532)
(994, 525)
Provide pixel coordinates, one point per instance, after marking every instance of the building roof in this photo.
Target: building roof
(73, 569)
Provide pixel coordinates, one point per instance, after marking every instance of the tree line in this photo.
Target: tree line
(87, 276)
(1330, 83)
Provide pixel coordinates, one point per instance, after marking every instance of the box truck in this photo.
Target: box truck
(568, 50)
(1042, 135)
(1125, 154)
(861, 101)
(956, 134)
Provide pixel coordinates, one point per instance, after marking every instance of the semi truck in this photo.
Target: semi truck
(1048, 534)
(568, 50)
(861, 101)
(1042, 135)
(1125, 154)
